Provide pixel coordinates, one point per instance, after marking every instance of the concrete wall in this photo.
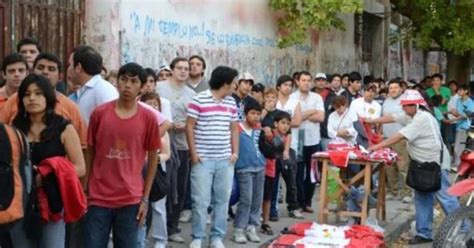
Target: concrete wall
(241, 34)
(238, 33)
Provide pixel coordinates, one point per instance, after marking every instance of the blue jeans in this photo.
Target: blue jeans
(158, 222)
(304, 185)
(54, 234)
(250, 199)
(211, 179)
(424, 204)
(122, 221)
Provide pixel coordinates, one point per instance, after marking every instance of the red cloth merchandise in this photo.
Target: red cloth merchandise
(286, 240)
(360, 236)
(339, 158)
(374, 138)
(70, 188)
(385, 154)
(364, 236)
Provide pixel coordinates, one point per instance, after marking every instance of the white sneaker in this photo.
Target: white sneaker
(185, 216)
(195, 244)
(217, 243)
(176, 238)
(296, 214)
(160, 244)
(239, 236)
(251, 234)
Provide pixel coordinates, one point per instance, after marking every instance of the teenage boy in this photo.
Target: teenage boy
(312, 114)
(14, 70)
(119, 200)
(212, 114)
(29, 48)
(287, 104)
(179, 95)
(250, 173)
(150, 84)
(289, 172)
(352, 90)
(277, 139)
(366, 106)
(465, 109)
(242, 93)
(437, 88)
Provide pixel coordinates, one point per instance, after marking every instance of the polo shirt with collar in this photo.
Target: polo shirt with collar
(95, 92)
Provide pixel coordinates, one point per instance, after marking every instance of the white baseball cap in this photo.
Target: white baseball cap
(320, 75)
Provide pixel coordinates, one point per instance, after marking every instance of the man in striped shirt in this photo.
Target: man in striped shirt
(213, 139)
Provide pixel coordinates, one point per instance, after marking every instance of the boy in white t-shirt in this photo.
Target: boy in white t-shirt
(365, 106)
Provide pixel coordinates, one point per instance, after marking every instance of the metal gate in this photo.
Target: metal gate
(57, 24)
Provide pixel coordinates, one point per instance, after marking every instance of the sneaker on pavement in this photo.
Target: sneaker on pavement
(160, 244)
(176, 238)
(185, 216)
(251, 234)
(239, 236)
(217, 243)
(196, 243)
(296, 214)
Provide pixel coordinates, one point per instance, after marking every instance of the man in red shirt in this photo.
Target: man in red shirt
(121, 134)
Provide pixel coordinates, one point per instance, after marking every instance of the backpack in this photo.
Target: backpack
(15, 175)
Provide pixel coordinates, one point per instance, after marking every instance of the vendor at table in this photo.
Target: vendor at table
(424, 145)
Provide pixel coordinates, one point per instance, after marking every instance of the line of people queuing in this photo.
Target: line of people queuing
(207, 134)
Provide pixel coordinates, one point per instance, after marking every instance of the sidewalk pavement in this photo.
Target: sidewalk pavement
(399, 216)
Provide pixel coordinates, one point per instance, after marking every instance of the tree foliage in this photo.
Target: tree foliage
(298, 17)
(446, 24)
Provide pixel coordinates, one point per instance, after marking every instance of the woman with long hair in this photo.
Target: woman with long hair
(49, 135)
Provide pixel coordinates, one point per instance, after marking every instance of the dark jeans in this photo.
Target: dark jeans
(305, 187)
(122, 221)
(75, 234)
(289, 176)
(182, 186)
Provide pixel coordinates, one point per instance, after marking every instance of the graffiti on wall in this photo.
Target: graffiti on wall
(154, 41)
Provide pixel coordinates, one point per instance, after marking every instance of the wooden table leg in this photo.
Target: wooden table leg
(365, 202)
(323, 201)
(381, 194)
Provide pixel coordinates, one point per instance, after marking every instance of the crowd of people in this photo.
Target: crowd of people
(211, 135)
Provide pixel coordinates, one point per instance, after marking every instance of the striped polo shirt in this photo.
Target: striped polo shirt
(212, 133)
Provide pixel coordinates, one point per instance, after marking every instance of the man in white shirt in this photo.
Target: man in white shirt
(365, 106)
(392, 106)
(312, 114)
(85, 65)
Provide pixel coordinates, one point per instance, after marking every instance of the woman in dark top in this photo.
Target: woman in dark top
(49, 135)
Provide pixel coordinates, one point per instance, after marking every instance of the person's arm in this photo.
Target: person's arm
(164, 127)
(313, 115)
(286, 151)
(150, 175)
(89, 159)
(296, 119)
(388, 142)
(332, 127)
(190, 125)
(164, 152)
(382, 120)
(72, 145)
(234, 129)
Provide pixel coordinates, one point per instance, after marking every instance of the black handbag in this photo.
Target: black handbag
(425, 176)
(160, 186)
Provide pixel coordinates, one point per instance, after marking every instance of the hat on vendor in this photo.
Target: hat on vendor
(411, 97)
